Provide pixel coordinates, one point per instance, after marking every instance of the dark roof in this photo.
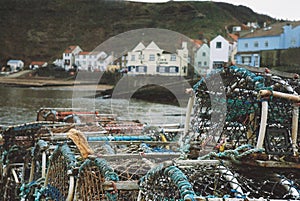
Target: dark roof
(272, 30)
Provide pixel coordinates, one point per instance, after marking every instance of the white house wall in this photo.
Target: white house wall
(219, 54)
(15, 65)
(201, 60)
(94, 61)
(154, 61)
(70, 57)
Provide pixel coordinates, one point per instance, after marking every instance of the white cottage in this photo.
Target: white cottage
(219, 52)
(152, 60)
(69, 56)
(15, 65)
(93, 61)
(201, 60)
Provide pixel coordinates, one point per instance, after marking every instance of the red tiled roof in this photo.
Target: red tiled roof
(39, 63)
(233, 36)
(84, 53)
(197, 42)
(70, 49)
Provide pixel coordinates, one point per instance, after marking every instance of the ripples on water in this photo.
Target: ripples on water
(19, 105)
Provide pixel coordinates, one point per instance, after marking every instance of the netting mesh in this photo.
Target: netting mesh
(243, 111)
(62, 160)
(91, 178)
(217, 180)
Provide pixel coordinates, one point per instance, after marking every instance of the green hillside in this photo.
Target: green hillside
(41, 30)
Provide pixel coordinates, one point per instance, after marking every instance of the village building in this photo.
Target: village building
(93, 61)
(69, 56)
(15, 65)
(202, 59)
(278, 36)
(152, 60)
(221, 51)
(37, 64)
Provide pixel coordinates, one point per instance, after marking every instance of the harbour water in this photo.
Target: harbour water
(19, 105)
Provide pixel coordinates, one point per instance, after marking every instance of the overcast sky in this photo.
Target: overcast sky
(279, 9)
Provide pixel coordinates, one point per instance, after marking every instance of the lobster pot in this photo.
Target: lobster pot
(278, 128)
(58, 183)
(130, 168)
(226, 109)
(16, 157)
(191, 179)
(228, 113)
(91, 180)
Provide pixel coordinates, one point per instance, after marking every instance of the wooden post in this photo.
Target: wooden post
(291, 97)
(71, 188)
(47, 176)
(189, 110)
(263, 124)
(13, 171)
(139, 198)
(44, 158)
(32, 170)
(295, 128)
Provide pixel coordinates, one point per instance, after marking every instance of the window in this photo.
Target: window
(246, 45)
(173, 57)
(256, 61)
(204, 54)
(173, 69)
(255, 44)
(219, 45)
(205, 63)
(199, 63)
(266, 43)
(132, 57)
(67, 62)
(131, 68)
(141, 69)
(246, 60)
(151, 57)
(161, 69)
